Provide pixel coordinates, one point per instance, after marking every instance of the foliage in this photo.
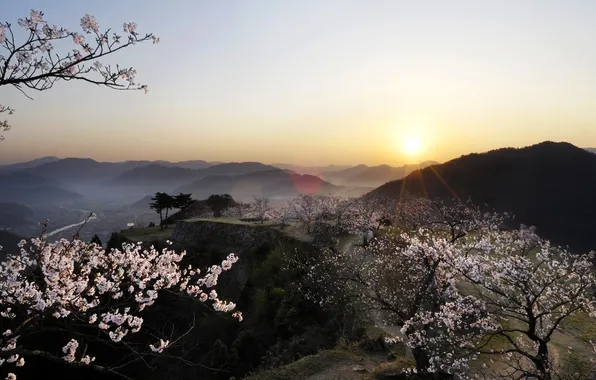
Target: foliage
(164, 201)
(183, 201)
(219, 202)
(95, 240)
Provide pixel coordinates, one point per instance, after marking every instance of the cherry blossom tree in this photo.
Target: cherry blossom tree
(366, 216)
(241, 210)
(261, 208)
(35, 64)
(283, 213)
(532, 288)
(339, 210)
(410, 281)
(457, 218)
(88, 295)
(307, 209)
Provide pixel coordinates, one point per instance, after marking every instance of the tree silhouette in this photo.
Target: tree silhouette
(95, 239)
(161, 202)
(183, 201)
(219, 202)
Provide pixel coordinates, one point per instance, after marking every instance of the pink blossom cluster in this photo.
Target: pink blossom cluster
(74, 280)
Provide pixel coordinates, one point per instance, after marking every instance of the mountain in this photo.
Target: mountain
(23, 179)
(314, 170)
(23, 187)
(193, 164)
(8, 242)
(591, 150)
(14, 214)
(270, 183)
(234, 168)
(28, 164)
(38, 195)
(83, 169)
(155, 173)
(549, 185)
(372, 176)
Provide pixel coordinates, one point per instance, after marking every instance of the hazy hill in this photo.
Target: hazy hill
(31, 189)
(24, 179)
(151, 178)
(591, 150)
(314, 170)
(550, 185)
(27, 165)
(193, 164)
(83, 169)
(14, 214)
(153, 173)
(270, 183)
(234, 168)
(363, 175)
(8, 242)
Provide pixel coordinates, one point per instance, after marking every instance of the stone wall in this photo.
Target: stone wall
(239, 236)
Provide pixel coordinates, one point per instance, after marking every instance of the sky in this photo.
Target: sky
(319, 82)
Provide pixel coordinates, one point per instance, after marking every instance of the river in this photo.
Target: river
(93, 216)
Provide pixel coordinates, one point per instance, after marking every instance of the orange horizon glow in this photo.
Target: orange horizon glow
(294, 82)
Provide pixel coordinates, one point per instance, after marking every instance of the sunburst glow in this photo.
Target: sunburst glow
(412, 145)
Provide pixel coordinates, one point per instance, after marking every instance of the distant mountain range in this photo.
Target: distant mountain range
(313, 170)
(363, 175)
(32, 189)
(270, 183)
(154, 173)
(549, 185)
(50, 180)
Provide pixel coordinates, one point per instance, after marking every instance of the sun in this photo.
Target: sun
(412, 145)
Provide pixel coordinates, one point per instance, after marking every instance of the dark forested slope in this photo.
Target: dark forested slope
(549, 185)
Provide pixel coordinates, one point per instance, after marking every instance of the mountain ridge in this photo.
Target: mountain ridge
(549, 184)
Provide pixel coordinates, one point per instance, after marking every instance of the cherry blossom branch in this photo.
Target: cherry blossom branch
(84, 289)
(35, 65)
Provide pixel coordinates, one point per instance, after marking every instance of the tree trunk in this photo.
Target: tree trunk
(422, 360)
(160, 220)
(167, 209)
(542, 361)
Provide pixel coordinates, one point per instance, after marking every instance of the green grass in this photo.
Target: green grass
(148, 233)
(309, 366)
(231, 221)
(295, 233)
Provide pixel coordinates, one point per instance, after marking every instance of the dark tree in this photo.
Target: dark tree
(183, 201)
(95, 239)
(162, 202)
(220, 202)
